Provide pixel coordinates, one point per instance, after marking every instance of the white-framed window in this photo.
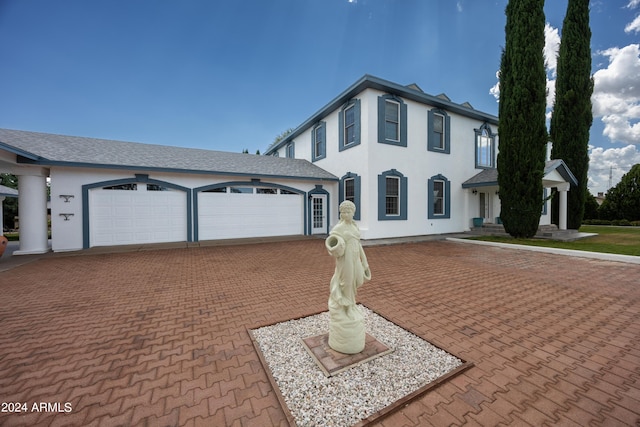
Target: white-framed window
(438, 197)
(391, 120)
(319, 141)
(438, 130)
(349, 125)
(485, 147)
(349, 189)
(290, 150)
(392, 196)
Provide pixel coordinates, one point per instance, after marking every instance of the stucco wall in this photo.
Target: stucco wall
(68, 235)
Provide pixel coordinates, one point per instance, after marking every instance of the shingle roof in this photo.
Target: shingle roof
(50, 149)
(489, 177)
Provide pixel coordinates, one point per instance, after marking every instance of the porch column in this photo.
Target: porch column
(562, 213)
(1, 219)
(32, 211)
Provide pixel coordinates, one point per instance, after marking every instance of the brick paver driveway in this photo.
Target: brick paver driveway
(159, 337)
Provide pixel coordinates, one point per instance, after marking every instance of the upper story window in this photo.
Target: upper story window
(290, 150)
(392, 120)
(485, 147)
(439, 131)
(350, 185)
(319, 141)
(392, 196)
(349, 125)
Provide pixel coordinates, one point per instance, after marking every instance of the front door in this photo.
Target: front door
(485, 207)
(319, 214)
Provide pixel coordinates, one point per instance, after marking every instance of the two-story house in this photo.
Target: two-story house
(414, 164)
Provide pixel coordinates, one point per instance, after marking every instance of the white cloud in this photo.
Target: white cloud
(459, 5)
(614, 161)
(633, 26)
(633, 4)
(551, 47)
(550, 53)
(616, 94)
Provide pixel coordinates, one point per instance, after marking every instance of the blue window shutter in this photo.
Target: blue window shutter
(431, 134)
(381, 119)
(382, 191)
(447, 134)
(357, 126)
(403, 124)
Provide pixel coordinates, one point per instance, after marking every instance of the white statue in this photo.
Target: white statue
(346, 325)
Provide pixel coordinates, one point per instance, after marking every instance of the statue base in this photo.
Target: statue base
(332, 362)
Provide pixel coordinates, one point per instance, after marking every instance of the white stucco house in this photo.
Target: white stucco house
(413, 163)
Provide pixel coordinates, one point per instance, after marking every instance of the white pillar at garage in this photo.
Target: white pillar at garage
(1, 218)
(562, 212)
(32, 211)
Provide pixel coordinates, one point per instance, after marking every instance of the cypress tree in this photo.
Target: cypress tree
(522, 127)
(572, 116)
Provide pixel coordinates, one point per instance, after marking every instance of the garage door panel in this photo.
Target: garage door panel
(119, 217)
(225, 215)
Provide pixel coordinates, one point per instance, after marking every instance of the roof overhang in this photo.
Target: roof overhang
(555, 172)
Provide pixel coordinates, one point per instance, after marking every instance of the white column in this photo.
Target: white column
(32, 211)
(562, 213)
(1, 219)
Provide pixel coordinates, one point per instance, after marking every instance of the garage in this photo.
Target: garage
(136, 213)
(238, 211)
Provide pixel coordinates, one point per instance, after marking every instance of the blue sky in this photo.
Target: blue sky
(233, 75)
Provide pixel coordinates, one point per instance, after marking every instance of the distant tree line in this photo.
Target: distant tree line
(621, 205)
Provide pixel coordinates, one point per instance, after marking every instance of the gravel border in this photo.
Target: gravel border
(358, 393)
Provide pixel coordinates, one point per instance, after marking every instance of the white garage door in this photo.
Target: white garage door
(237, 212)
(136, 213)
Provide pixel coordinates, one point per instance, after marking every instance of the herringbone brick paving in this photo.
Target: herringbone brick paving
(159, 337)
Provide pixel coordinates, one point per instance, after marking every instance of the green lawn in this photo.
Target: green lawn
(610, 239)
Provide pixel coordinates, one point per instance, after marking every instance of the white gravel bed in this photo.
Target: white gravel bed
(353, 395)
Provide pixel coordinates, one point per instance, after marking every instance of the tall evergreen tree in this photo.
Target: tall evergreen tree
(522, 127)
(572, 115)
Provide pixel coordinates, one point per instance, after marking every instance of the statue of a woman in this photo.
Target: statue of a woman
(346, 325)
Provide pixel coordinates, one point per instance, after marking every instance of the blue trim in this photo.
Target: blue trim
(382, 194)
(355, 103)
(357, 184)
(434, 137)
(492, 136)
(252, 183)
(173, 170)
(309, 211)
(139, 178)
(322, 126)
(20, 153)
(382, 122)
(446, 200)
